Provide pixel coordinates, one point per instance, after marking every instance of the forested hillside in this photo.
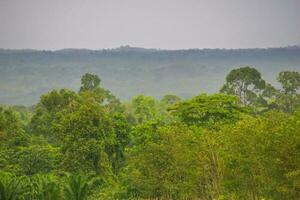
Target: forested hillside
(240, 143)
(127, 71)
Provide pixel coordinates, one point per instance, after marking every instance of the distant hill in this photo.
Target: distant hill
(128, 71)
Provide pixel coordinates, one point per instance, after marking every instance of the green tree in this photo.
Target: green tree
(49, 113)
(209, 111)
(261, 157)
(91, 131)
(144, 108)
(89, 82)
(244, 82)
(11, 132)
(91, 88)
(45, 187)
(36, 159)
(170, 99)
(289, 98)
(166, 166)
(290, 81)
(85, 134)
(116, 151)
(77, 187)
(13, 187)
(12, 137)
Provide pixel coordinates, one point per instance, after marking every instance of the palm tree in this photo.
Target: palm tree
(13, 187)
(44, 187)
(77, 187)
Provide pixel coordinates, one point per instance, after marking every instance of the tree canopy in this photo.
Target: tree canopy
(242, 143)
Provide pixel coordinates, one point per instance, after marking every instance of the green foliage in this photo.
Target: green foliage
(12, 137)
(244, 82)
(170, 99)
(248, 85)
(85, 133)
(45, 187)
(11, 131)
(91, 89)
(116, 150)
(35, 159)
(77, 187)
(144, 108)
(48, 113)
(88, 145)
(167, 166)
(209, 110)
(89, 82)
(289, 98)
(80, 125)
(290, 81)
(261, 157)
(13, 187)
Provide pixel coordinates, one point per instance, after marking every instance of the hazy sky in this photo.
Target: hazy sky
(167, 24)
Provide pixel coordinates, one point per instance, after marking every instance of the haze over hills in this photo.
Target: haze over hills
(128, 71)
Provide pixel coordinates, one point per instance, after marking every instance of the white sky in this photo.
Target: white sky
(166, 24)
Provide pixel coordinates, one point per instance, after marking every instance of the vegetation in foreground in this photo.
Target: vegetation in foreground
(242, 143)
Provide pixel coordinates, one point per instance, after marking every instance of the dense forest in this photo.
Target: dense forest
(240, 143)
(128, 71)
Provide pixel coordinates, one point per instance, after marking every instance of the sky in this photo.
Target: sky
(162, 24)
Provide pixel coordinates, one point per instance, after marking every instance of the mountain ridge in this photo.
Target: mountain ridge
(134, 48)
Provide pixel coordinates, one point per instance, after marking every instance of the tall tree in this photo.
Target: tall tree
(289, 97)
(89, 82)
(90, 87)
(244, 82)
(85, 133)
(290, 81)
